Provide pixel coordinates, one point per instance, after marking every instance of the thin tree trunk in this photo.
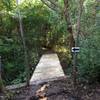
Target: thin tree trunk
(1, 82)
(79, 21)
(71, 38)
(25, 49)
(73, 42)
(75, 69)
(69, 25)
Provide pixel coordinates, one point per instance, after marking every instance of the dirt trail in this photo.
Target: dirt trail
(61, 89)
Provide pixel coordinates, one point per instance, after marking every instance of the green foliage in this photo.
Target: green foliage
(64, 53)
(41, 28)
(44, 28)
(89, 63)
(88, 58)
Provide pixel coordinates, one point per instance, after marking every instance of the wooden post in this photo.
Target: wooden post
(1, 82)
(74, 69)
(0, 67)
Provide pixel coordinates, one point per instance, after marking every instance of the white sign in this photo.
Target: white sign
(75, 49)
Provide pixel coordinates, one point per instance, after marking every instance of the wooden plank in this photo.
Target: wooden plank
(17, 86)
(48, 69)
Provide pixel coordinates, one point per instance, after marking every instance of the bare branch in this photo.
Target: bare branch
(52, 5)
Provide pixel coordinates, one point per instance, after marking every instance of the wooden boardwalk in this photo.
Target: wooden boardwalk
(48, 69)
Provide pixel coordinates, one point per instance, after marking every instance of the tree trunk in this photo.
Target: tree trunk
(24, 47)
(79, 20)
(73, 42)
(1, 82)
(69, 25)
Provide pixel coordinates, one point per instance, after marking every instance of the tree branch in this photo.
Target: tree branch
(52, 5)
(79, 20)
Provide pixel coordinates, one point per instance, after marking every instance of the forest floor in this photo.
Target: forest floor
(61, 89)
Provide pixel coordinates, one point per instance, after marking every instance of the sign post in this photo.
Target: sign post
(75, 50)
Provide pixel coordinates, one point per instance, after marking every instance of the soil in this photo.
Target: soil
(61, 89)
